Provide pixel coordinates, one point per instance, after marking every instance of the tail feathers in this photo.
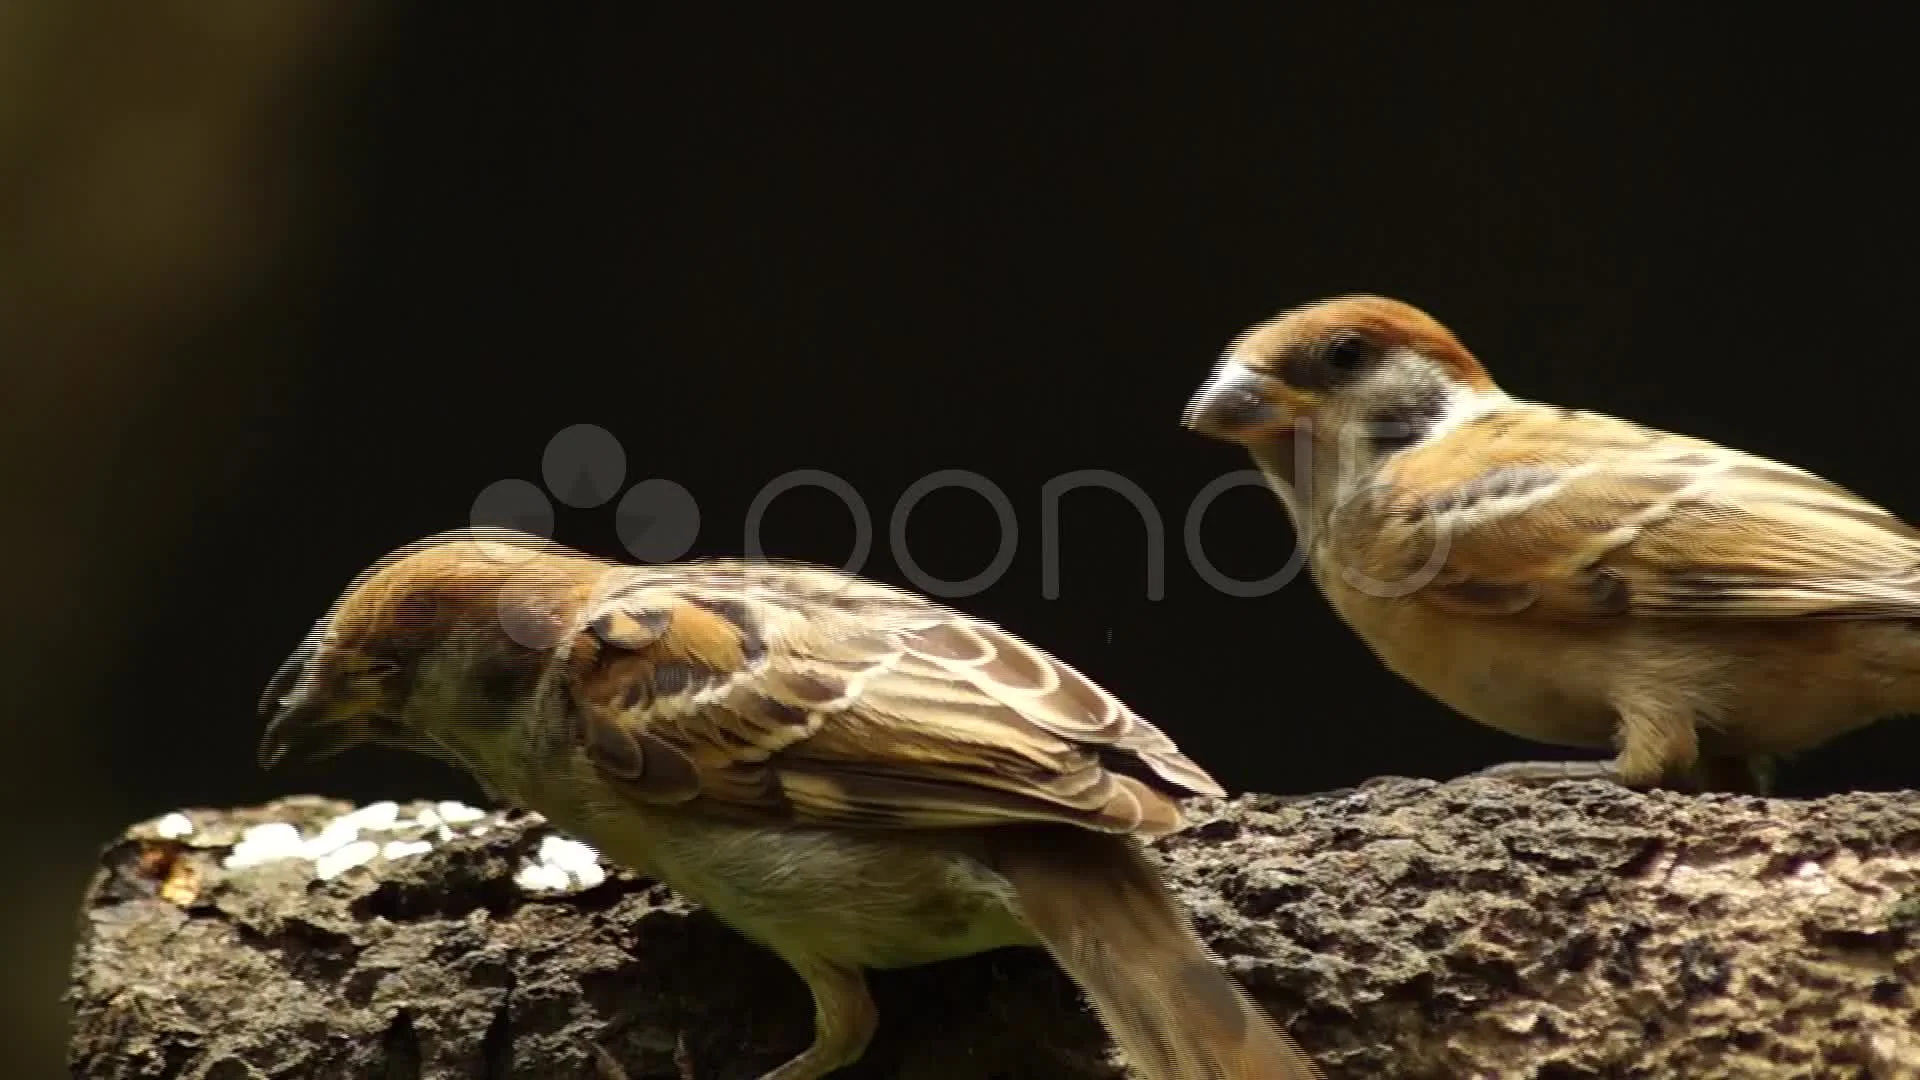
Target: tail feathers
(1109, 920)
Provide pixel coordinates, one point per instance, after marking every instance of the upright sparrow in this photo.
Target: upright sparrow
(1566, 576)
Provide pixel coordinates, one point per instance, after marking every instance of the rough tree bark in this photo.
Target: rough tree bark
(1403, 929)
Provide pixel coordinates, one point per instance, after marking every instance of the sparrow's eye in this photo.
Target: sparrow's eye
(1324, 364)
(1344, 354)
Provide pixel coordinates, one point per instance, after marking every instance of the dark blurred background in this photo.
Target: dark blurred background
(285, 286)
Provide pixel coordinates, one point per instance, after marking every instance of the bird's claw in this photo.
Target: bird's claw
(1547, 772)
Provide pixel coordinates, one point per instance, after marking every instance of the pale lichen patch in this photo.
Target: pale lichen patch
(355, 838)
(174, 826)
(561, 864)
(334, 863)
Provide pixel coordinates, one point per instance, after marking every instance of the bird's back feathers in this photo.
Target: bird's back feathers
(1558, 513)
(813, 696)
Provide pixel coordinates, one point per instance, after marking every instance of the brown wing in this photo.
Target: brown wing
(1573, 514)
(806, 695)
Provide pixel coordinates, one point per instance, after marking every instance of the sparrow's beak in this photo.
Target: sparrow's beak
(299, 724)
(1238, 404)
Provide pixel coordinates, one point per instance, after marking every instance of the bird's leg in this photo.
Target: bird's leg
(843, 1020)
(1658, 742)
(1713, 772)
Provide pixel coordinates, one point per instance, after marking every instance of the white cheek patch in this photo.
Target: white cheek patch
(1465, 404)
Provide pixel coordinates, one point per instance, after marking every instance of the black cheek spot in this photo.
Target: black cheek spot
(1399, 426)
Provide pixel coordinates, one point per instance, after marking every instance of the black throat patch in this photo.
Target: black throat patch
(1400, 425)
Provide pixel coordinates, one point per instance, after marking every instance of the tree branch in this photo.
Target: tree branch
(1404, 929)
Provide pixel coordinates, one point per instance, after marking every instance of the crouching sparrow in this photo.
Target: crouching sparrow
(850, 775)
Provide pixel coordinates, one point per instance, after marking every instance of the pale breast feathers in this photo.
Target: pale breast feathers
(806, 695)
(1569, 514)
